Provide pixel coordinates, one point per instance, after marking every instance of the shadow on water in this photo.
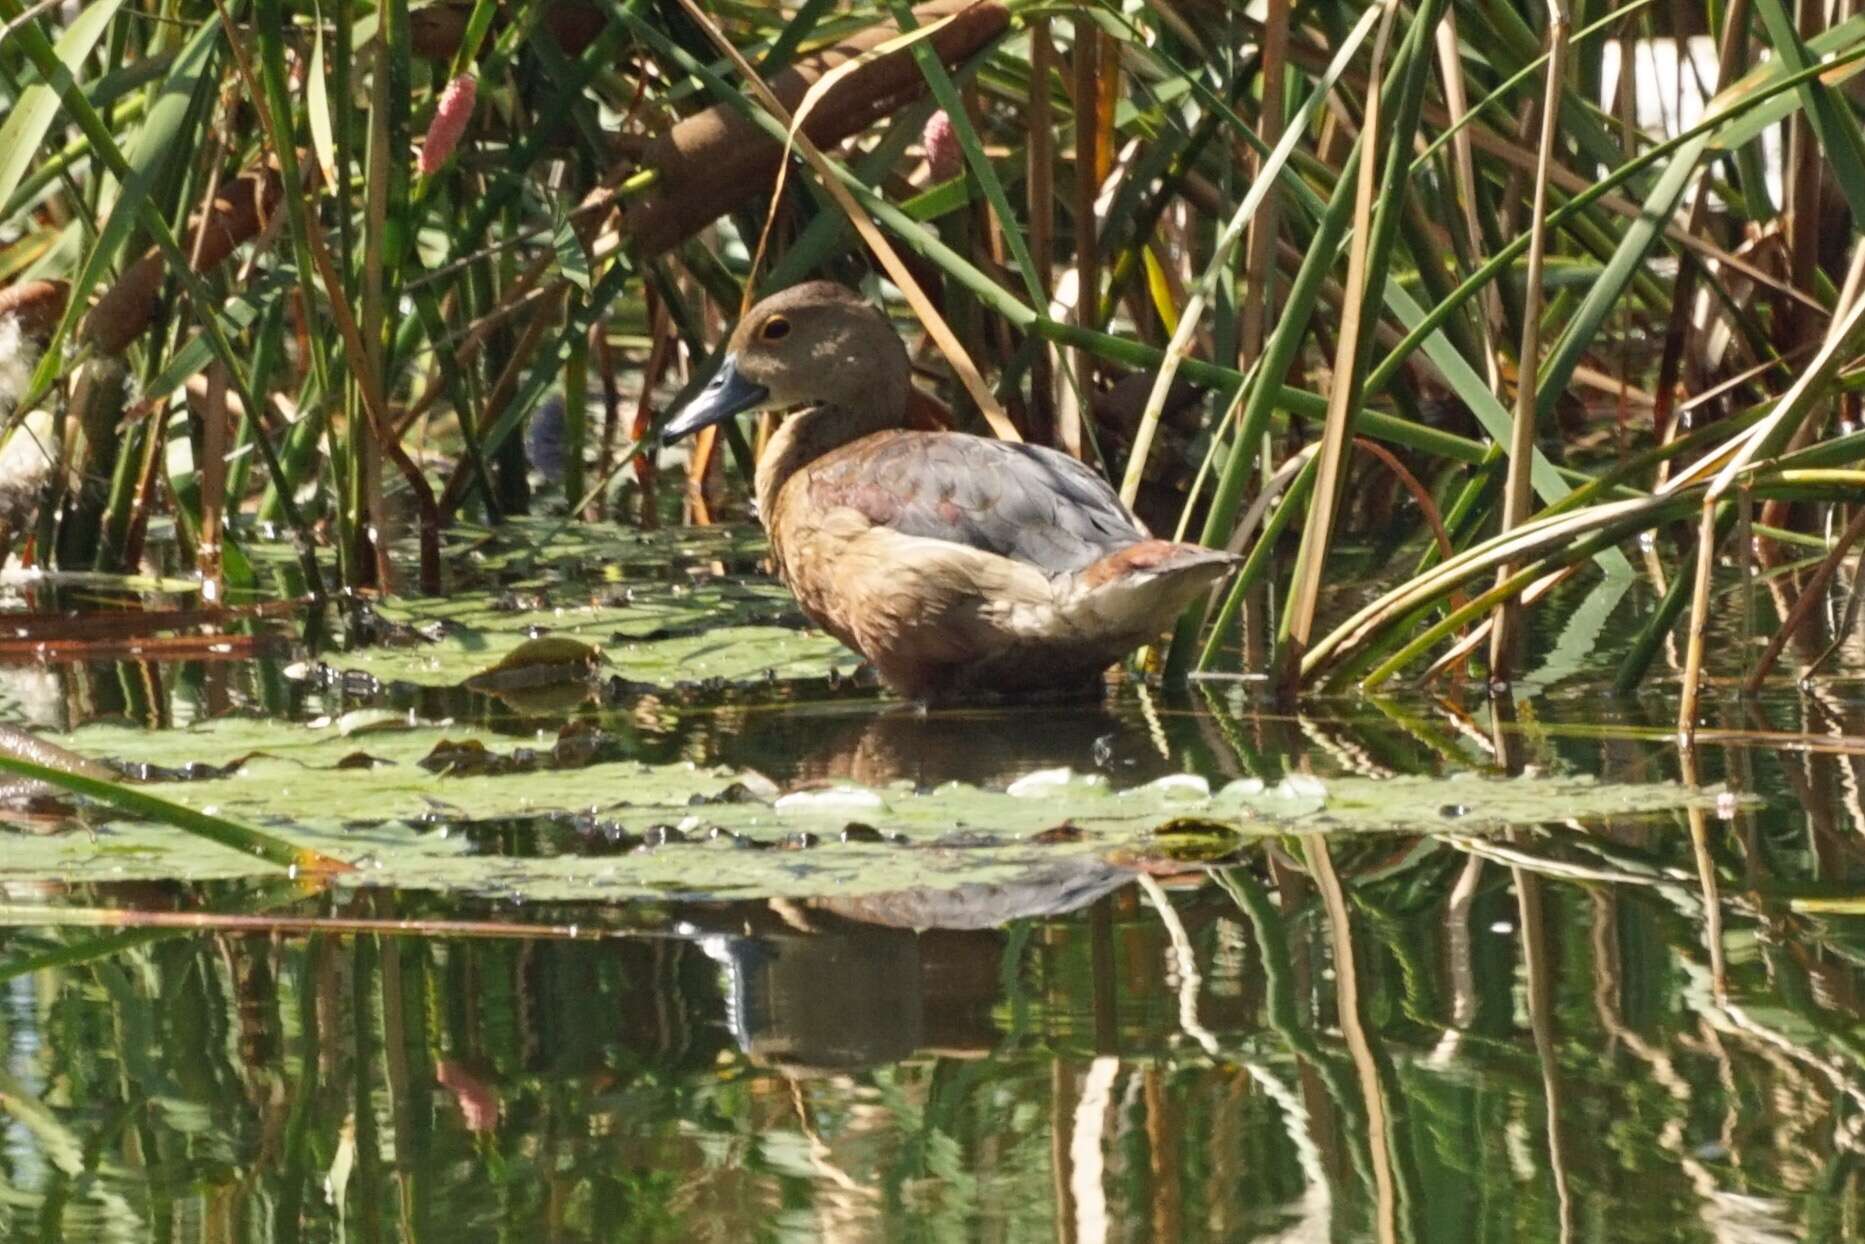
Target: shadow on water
(1645, 1028)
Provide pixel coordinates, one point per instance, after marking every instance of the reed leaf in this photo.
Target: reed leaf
(141, 804)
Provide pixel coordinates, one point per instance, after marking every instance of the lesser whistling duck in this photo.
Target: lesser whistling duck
(953, 563)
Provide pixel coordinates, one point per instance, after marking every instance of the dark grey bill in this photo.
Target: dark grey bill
(727, 394)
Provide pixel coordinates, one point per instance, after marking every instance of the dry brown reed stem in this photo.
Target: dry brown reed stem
(1456, 101)
(542, 319)
(604, 359)
(212, 469)
(1320, 863)
(213, 475)
(1518, 498)
(1420, 494)
(1260, 258)
(1305, 592)
(132, 303)
(1842, 335)
(1699, 621)
(1455, 654)
(38, 305)
(698, 463)
(375, 407)
(1810, 597)
(1086, 65)
(660, 356)
(142, 504)
(1041, 191)
(514, 298)
(1677, 330)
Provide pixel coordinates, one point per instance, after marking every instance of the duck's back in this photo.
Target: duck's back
(1030, 504)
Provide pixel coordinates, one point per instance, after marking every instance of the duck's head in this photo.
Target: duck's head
(815, 344)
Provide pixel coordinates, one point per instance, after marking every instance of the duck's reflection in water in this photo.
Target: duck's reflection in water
(840, 984)
(874, 743)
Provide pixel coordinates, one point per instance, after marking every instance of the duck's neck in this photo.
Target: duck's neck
(807, 436)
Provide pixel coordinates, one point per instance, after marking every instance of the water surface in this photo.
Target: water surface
(1613, 1028)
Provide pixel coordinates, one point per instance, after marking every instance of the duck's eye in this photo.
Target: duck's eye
(775, 329)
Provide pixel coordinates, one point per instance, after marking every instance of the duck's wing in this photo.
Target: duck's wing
(1024, 502)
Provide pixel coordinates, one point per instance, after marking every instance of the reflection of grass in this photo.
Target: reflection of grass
(618, 1105)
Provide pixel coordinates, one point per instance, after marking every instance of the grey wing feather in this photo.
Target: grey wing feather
(1024, 502)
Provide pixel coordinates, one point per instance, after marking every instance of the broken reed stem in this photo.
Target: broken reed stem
(1085, 56)
(1456, 103)
(1260, 255)
(1699, 620)
(1809, 599)
(1518, 497)
(1305, 591)
(1041, 198)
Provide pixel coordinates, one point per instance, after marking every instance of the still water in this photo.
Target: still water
(1647, 1031)
(1630, 1029)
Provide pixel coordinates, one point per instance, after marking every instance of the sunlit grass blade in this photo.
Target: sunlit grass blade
(1517, 491)
(32, 114)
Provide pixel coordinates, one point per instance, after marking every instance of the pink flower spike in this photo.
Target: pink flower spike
(450, 120)
(943, 155)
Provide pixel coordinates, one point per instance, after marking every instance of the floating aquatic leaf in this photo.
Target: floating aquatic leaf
(551, 656)
(571, 817)
(1046, 782)
(371, 720)
(657, 634)
(832, 800)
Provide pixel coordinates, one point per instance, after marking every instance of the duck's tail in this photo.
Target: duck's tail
(1141, 589)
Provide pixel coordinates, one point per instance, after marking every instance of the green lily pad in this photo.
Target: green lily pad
(445, 808)
(533, 545)
(658, 634)
(544, 656)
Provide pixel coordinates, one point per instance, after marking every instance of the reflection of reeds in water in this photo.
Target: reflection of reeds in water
(1449, 1037)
